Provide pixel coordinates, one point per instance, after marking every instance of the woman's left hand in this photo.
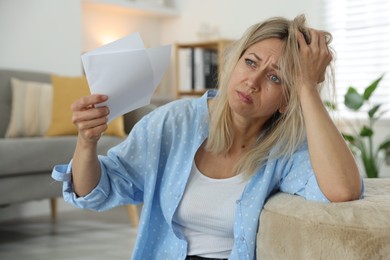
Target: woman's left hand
(314, 58)
(332, 161)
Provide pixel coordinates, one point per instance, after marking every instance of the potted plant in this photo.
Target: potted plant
(360, 139)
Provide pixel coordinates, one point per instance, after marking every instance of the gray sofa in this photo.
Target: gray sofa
(26, 163)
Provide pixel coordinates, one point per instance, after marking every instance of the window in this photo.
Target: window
(361, 39)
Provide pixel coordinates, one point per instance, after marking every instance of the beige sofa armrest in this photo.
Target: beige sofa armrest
(293, 228)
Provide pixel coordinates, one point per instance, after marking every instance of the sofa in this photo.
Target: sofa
(294, 228)
(26, 162)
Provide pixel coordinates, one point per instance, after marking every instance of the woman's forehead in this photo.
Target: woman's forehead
(271, 48)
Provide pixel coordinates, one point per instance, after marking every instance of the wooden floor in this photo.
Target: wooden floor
(78, 235)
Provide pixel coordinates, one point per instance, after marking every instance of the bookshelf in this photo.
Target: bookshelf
(197, 66)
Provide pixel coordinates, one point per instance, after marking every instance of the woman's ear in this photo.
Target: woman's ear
(282, 109)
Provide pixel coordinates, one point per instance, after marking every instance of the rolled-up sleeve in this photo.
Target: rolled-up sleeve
(114, 188)
(98, 199)
(298, 177)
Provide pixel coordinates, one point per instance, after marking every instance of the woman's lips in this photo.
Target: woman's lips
(244, 97)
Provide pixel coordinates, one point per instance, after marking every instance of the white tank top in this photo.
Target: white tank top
(207, 212)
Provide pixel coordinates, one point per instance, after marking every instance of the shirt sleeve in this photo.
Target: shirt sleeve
(123, 172)
(298, 177)
(100, 198)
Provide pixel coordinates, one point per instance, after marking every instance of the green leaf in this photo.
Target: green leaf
(371, 168)
(373, 110)
(353, 99)
(331, 105)
(366, 132)
(371, 88)
(369, 163)
(349, 138)
(384, 145)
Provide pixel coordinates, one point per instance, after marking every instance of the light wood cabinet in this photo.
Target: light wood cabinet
(197, 66)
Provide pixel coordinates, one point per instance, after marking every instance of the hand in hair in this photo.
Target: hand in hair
(315, 56)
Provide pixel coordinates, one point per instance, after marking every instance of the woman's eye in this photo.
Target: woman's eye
(275, 79)
(250, 62)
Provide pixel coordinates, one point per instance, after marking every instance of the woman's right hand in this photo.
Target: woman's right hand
(91, 121)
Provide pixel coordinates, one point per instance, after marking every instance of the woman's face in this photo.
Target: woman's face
(254, 90)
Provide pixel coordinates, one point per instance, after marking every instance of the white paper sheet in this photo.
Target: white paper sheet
(126, 72)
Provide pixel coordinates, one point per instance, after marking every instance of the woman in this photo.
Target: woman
(204, 167)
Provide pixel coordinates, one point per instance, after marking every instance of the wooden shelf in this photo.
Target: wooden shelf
(190, 93)
(134, 7)
(218, 45)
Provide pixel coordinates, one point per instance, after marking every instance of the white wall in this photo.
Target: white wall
(41, 35)
(102, 25)
(231, 18)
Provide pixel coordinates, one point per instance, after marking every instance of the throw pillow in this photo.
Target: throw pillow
(30, 110)
(66, 90)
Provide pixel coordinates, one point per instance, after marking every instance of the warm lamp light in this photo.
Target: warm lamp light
(105, 39)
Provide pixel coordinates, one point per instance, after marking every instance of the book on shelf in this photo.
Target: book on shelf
(211, 76)
(199, 78)
(198, 69)
(185, 69)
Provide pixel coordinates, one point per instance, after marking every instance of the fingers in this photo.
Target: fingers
(306, 34)
(88, 101)
(317, 39)
(315, 57)
(302, 42)
(85, 108)
(93, 130)
(325, 54)
(91, 121)
(314, 36)
(81, 116)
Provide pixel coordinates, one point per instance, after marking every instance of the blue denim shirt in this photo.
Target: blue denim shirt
(152, 167)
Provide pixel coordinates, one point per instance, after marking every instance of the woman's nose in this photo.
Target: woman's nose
(254, 82)
(252, 90)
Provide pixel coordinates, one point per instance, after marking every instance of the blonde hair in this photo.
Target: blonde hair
(283, 132)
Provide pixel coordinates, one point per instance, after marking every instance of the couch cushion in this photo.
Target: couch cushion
(6, 93)
(38, 154)
(66, 90)
(21, 188)
(293, 228)
(31, 108)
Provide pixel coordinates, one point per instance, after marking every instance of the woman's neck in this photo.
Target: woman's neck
(246, 133)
